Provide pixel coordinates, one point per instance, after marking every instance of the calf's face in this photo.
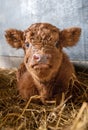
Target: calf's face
(42, 51)
(42, 44)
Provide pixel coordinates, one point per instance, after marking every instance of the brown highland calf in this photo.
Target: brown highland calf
(46, 69)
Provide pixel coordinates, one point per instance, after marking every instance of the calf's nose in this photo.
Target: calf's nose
(41, 58)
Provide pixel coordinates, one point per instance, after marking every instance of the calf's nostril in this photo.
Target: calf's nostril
(48, 56)
(36, 57)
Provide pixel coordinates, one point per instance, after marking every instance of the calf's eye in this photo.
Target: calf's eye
(27, 44)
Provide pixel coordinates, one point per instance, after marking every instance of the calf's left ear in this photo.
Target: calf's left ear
(69, 37)
(14, 38)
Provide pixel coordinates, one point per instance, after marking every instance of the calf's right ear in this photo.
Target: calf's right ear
(14, 38)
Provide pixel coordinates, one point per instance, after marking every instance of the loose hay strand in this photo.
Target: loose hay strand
(76, 121)
(33, 97)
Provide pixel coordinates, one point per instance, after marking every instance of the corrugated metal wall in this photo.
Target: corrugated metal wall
(21, 14)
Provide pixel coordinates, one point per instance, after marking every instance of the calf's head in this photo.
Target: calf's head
(42, 44)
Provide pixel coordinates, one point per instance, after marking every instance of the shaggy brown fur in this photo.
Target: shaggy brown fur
(46, 70)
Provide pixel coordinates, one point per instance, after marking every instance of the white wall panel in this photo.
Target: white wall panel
(20, 14)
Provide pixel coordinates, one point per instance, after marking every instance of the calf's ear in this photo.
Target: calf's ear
(70, 36)
(14, 38)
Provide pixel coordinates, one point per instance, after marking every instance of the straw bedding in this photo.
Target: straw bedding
(18, 114)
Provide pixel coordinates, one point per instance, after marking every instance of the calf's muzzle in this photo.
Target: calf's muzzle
(42, 58)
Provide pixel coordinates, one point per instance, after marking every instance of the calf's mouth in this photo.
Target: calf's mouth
(41, 66)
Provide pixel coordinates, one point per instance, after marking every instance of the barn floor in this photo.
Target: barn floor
(17, 114)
